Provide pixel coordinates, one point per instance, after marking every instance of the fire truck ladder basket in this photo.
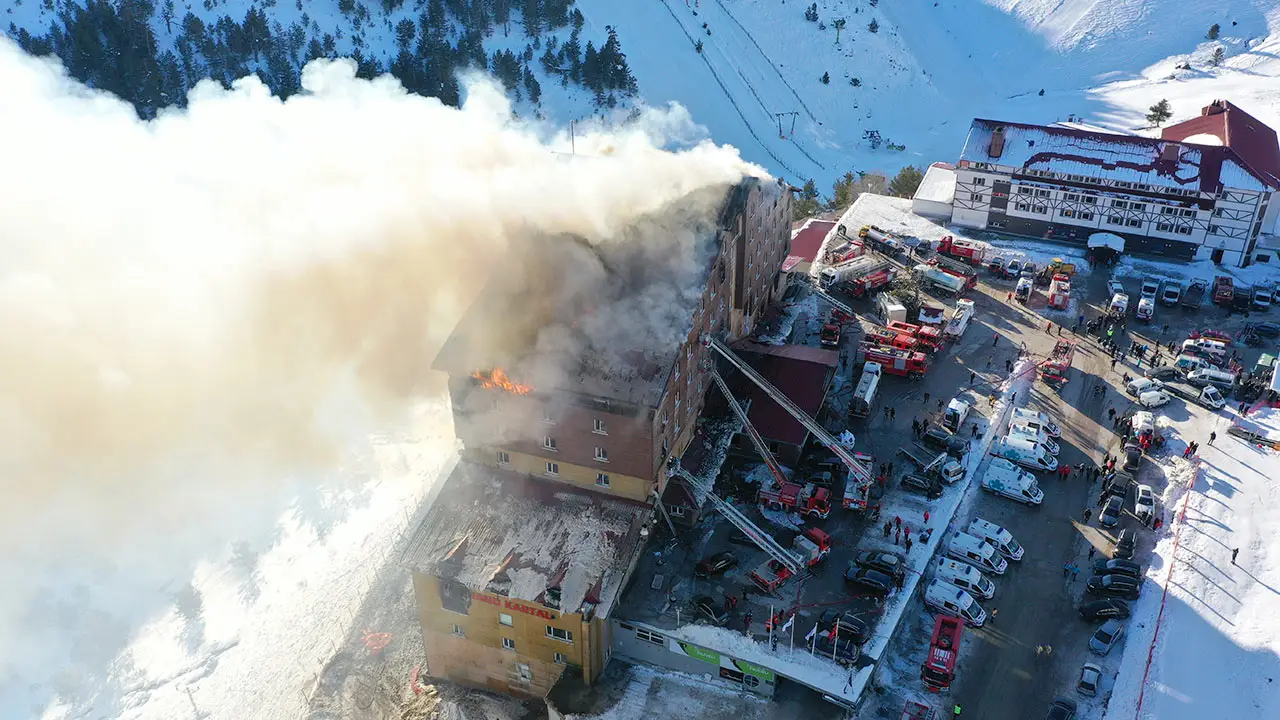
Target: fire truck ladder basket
(743, 523)
(862, 473)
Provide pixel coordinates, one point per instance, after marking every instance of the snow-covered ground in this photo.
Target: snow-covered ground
(247, 631)
(1213, 635)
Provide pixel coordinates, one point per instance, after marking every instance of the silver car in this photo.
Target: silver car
(1090, 679)
(1106, 636)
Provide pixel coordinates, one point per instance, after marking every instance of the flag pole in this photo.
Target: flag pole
(835, 640)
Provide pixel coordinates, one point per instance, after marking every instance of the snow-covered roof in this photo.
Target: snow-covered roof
(1127, 158)
(1106, 240)
(511, 535)
(938, 185)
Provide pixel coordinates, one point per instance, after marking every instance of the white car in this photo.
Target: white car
(1137, 386)
(1119, 304)
(1144, 503)
(1114, 287)
(1153, 398)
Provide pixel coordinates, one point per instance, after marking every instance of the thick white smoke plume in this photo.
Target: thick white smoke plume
(197, 307)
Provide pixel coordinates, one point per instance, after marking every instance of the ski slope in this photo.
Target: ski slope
(1217, 652)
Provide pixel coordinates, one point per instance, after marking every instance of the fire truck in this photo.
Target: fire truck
(810, 548)
(1223, 290)
(830, 334)
(918, 711)
(1057, 366)
(890, 338)
(928, 337)
(807, 499)
(951, 267)
(965, 251)
(1060, 292)
(939, 667)
(852, 488)
(905, 363)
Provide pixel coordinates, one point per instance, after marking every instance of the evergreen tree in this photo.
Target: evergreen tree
(873, 26)
(405, 32)
(906, 182)
(532, 17)
(806, 203)
(1160, 112)
(577, 19)
(842, 192)
(838, 24)
(1218, 56)
(811, 13)
(826, 78)
(532, 86)
(166, 14)
(591, 70)
(1213, 31)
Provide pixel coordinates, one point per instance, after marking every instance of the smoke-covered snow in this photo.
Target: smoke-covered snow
(205, 311)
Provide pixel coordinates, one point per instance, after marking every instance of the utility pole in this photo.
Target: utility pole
(573, 144)
(781, 115)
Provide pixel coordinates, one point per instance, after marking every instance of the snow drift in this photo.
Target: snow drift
(200, 306)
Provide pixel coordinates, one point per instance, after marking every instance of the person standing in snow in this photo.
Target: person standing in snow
(1234, 553)
(1212, 436)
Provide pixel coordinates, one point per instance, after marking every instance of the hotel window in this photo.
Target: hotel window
(1042, 193)
(976, 197)
(553, 468)
(1213, 229)
(598, 427)
(508, 644)
(676, 510)
(1183, 229)
(1167, 211)
(1090, 200)
(1023, 207)
(524, 671)
(652, 637)
(1137, 206)
(1024, 191)
(1188, 213)
(546, 417)
(561, 659)
(677, 398)
(556, 633)
(504, 619)
(1119, 204)
(1067, 213)
(503, 458)
(549, 443)
(602, 455)
(1115, 220)
(1040, 209)
(602, 479)
(1217, 212)
(1072, 196)
(1133, 223)
(1084, 216)
(979, 181)
(457, 630)
(1164, 227)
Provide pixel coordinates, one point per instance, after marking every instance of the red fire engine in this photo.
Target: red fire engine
(890, 338)
(830, 335)
(939, 667)
(894, 361)
(930, 338)
(1057, 366)
(963, 250)
(807, 499)
(809, 549)
(918, 711)
(1060, 292)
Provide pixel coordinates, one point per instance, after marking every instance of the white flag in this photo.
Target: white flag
(787, 625)
(812, 632)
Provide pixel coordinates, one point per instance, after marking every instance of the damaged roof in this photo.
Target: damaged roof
(801, 373)
(511, 535)
(1253, 142)
(1130, 158)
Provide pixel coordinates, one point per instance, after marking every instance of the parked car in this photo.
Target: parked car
(1090, 679)
(1137, 386)
(1105, 608)
(1125, 542)
(871, 582)
(1132, 457)
(737, 537)
(1113, 585)
(1153, 398)
(1265, 329)
(927, 486)
(1144, 503)
(1106, 636)
(852, 628)
(1166, 372)
(710, 610)
(717, 564)
(1110, 515)
(1116, 566)
(890, 564)
(1061, 709)
(943, 439)
(1115, 287)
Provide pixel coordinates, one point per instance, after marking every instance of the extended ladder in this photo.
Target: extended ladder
(756, 440)
(743, 523)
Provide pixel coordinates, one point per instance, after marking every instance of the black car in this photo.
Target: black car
(717, 564)
(1117, 567)
(1105, 608)
(822, 478)
(1122, 586)
(708, 609)
(1110, 515)
(941, 438)
(1125, 543)
(890, 564)
(1166, 372)
(1265, 329)
(851, 627)
(1061, 709)
(927, 486)
(871, 582)
(1120, 484)
(1132, 457)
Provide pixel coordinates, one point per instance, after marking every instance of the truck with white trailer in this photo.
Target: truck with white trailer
(865, 393)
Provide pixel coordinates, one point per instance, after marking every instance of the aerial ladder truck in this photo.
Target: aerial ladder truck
(858, 487)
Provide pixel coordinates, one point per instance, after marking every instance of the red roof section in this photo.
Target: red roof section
(1249, 138)
(806, 242)
(801, 373)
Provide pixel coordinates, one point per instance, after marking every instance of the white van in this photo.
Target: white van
(1033, 432)
(966, 577)
(1205, 346)
(1039, 420)
(1119, 303)
(1209, 376)
(997, 537)
(975, 551)
(1026, 452)
(951, 600)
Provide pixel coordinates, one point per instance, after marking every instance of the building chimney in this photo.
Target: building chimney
(997, 143)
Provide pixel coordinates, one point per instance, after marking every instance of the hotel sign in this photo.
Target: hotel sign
(513, 605)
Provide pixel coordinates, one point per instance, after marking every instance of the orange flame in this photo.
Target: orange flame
(498, 379)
